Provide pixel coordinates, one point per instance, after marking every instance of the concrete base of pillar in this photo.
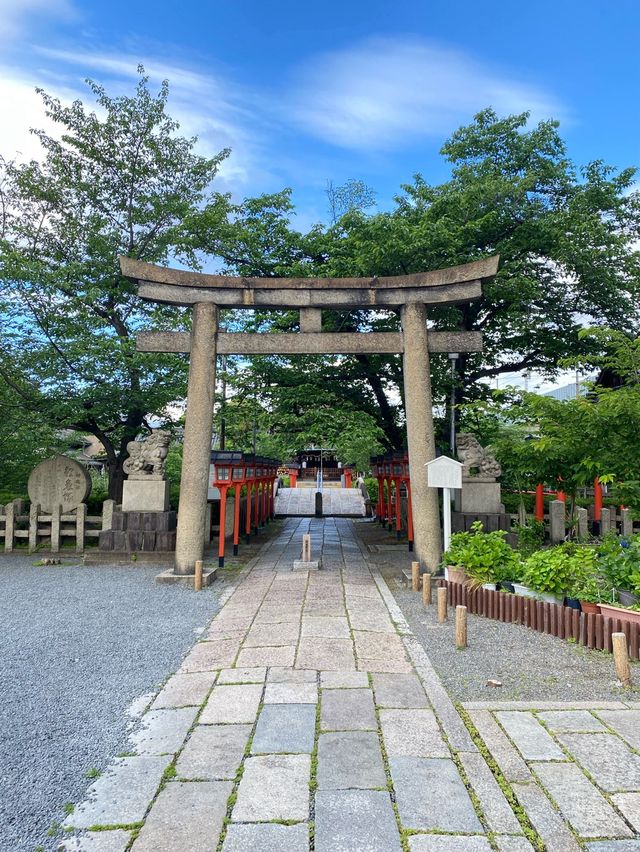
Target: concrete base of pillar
(140, 495)
(170, 576)
(299, 565)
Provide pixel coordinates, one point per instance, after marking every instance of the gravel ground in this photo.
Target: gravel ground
(78, 646)
(531, 666)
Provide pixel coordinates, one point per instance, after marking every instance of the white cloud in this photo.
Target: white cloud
(206, 106)
(20, 110)
(389, 92)
(16, 15)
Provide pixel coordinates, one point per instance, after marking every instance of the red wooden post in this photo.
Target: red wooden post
(256, 508)
(409, 517)
(539, 513)
(389, 502)
(293, 478)
(236, 520)
(348, 473)
(398, 510)
(597, 500)
(247, 520)
(223, 519)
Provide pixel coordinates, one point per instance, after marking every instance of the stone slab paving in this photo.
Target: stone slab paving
(577, 772)
(184, 816)
(310, 717)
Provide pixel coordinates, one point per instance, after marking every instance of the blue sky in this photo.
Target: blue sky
(309, 92)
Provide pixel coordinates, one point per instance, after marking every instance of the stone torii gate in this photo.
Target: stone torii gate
(409, 293)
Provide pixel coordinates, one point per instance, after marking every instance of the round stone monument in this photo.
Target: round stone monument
(59, 481)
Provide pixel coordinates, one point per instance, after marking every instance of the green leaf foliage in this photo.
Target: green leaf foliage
(485, 557)
(115, 181)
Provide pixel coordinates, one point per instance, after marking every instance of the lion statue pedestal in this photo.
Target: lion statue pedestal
(480, 493)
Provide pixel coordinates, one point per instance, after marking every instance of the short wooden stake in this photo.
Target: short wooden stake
(426, 588)
(621, 658)
(197, 579)
(461, 627)
(415, 576)
(442, 604)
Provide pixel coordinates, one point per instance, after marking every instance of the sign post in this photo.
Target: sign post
(445, 473)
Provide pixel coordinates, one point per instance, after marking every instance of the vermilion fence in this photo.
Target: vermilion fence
(590, 630)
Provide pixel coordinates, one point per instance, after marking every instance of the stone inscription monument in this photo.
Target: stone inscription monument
(409, 295)
(480, 491)
(59, 481)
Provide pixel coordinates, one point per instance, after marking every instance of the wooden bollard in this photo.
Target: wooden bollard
(415, 576)
(197, 577)
(442, 604)
(426, 588)
(621, 658)
(461, 627)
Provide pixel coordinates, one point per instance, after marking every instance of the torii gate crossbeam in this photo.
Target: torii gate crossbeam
(205, 293)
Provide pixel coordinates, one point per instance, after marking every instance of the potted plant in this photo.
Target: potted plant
(589, 588)
(480, 558)
(552, 572)
(617, 561)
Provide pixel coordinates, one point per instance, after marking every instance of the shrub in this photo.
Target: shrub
(560, 570)
(485, 557)
(530, 537)
(619, 561)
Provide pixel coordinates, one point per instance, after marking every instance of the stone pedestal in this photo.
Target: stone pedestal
(134, 532)
(479, 495)
(145, 495)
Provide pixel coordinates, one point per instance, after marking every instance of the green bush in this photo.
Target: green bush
(619, 561)
(372, 489)
(485, 557)
(530, 537)
(560, 570)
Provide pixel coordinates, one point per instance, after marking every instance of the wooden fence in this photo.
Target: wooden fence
(47, 531)
(590, 630)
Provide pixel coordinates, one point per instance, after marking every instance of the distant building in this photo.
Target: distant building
(313, 458)
(86, 449)
(570, 391)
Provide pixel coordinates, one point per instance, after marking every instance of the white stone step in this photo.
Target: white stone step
(336, 502)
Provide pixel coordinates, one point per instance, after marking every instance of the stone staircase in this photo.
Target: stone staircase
(336, 502)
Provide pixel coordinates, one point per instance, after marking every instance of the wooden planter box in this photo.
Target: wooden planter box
(631, 615)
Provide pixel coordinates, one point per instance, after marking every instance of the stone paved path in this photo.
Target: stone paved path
(309, 717)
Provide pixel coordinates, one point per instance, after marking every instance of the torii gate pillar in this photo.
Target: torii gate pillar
(198, 427)
(420, 435)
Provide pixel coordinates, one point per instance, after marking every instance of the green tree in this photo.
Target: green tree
(117, 181)
(567, 239)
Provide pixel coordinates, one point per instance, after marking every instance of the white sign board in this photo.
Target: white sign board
(444, 472)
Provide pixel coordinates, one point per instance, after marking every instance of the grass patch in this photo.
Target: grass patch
(521, 815)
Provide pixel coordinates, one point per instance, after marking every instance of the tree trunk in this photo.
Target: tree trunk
(116, 478)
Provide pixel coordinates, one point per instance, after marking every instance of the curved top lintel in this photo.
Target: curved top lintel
(192, 282)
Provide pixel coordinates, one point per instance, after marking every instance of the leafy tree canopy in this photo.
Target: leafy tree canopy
(567, 240)
(119, 180)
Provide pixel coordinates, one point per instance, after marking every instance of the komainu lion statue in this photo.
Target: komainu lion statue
(147, 458)
(474, 457)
